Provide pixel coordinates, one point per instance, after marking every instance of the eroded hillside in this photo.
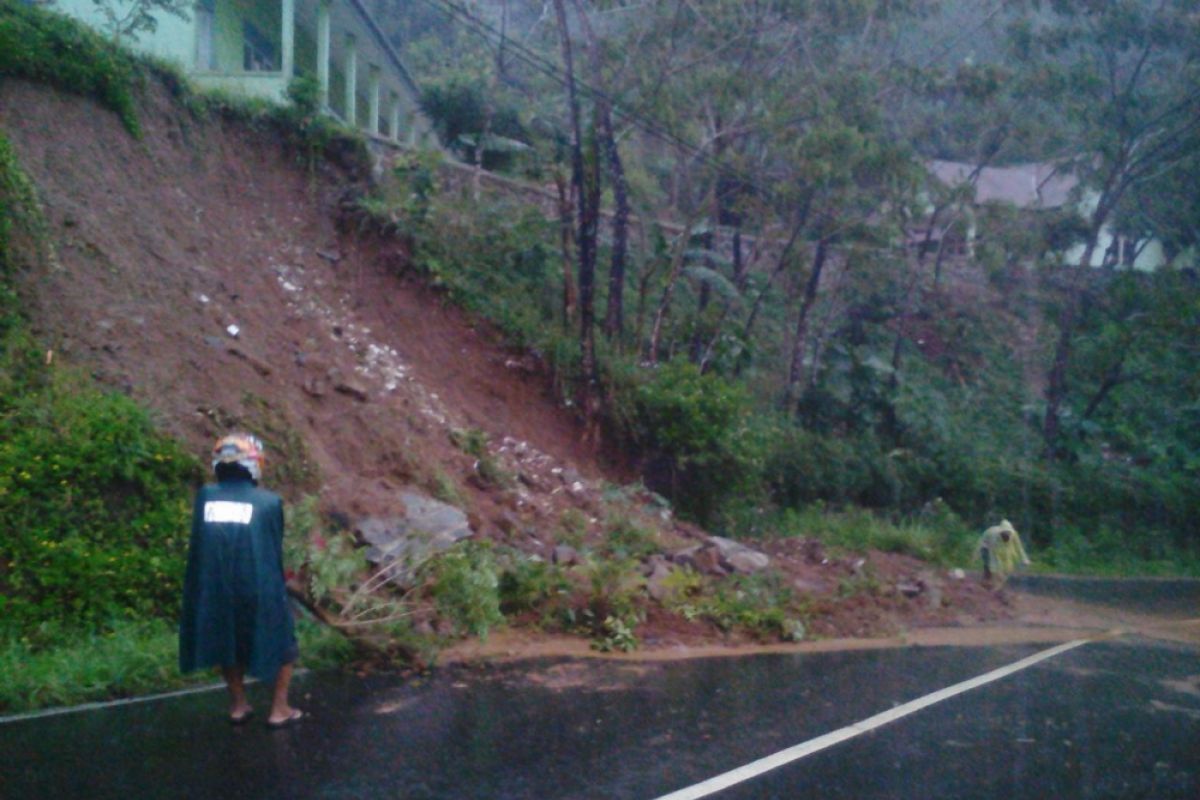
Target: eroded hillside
(207, 270)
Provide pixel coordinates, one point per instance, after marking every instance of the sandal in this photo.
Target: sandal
(242, 720)
(295, 718)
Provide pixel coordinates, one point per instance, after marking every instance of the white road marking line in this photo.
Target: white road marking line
(756, 768)
(125, 701)
(128, 701)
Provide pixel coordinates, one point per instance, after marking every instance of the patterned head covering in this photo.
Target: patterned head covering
(240, 448)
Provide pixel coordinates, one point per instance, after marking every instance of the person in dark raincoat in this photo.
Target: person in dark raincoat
(236, 614)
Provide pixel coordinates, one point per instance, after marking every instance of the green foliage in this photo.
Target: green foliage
(416, 173)
(761, 604)
(20, 211)
(610, 611)
(937, 536)
(528, 585)
(628, 540)
(128, 18)
(462, 110)
(464, 582)
(474, 442)
(1109, 551)
(127, 659)
(96, 506)
(496, 258)
(471, 441)
(617, 633)
(50, 48)
(573, 526)
(130, 658)
(693, 430)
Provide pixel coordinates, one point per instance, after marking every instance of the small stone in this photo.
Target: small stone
(564, 555)
(233, 330)
(352, 389)
(313, 387)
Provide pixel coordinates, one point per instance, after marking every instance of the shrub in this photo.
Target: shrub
(528, 585)
(693, 432)
(96, 506)
(465, 585)
(51, 48)
(627, 540)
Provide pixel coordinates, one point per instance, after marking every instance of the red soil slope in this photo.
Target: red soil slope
(162, 244)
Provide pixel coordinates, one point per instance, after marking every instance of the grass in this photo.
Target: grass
(50, 48)
(944, 540)
(941, 541)
(133, 658)
(1107, 554)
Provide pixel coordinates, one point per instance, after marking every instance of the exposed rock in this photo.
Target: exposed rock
(531, 481)
(705, 559)
(655, 585)
(739, 558)
(813, 551)
(314, 387)
(352, 389)
(260, 366)
(402, 543)
(507, 522)
(565, 555)
(808, 587)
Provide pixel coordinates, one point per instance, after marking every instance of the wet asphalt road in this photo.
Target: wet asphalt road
(1115, 719)
(1172, 598)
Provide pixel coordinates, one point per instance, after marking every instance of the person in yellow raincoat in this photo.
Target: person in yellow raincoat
(1000, 548)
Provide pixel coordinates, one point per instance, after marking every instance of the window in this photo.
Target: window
(206, 52)
(259, 53)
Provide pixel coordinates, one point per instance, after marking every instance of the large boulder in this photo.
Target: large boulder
(738, 557)
(401, 544)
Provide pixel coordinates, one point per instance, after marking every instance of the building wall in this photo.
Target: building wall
(211, 50)
(174, 40)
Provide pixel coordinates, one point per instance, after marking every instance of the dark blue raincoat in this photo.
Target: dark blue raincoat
(235, 607)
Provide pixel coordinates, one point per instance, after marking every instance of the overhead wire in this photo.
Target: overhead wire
(494, 37)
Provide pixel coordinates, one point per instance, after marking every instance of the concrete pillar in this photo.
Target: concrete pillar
(323, 51)
(351, 69)
(287, 39)
(373, 99)
(394, 116)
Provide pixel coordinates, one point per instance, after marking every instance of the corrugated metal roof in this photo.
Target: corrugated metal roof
(1034, 185)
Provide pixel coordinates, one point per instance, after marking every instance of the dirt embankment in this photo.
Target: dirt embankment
(202, 270)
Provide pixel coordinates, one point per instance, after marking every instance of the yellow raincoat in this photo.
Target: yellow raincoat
(1000, 557)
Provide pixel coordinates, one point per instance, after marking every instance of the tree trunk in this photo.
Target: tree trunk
(780, 265)
(811, 289)
(586, 216)
(566, 218)
(664, 304)
(614, 317)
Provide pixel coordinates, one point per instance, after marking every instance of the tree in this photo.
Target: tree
(125, 20)
(1125, 77)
